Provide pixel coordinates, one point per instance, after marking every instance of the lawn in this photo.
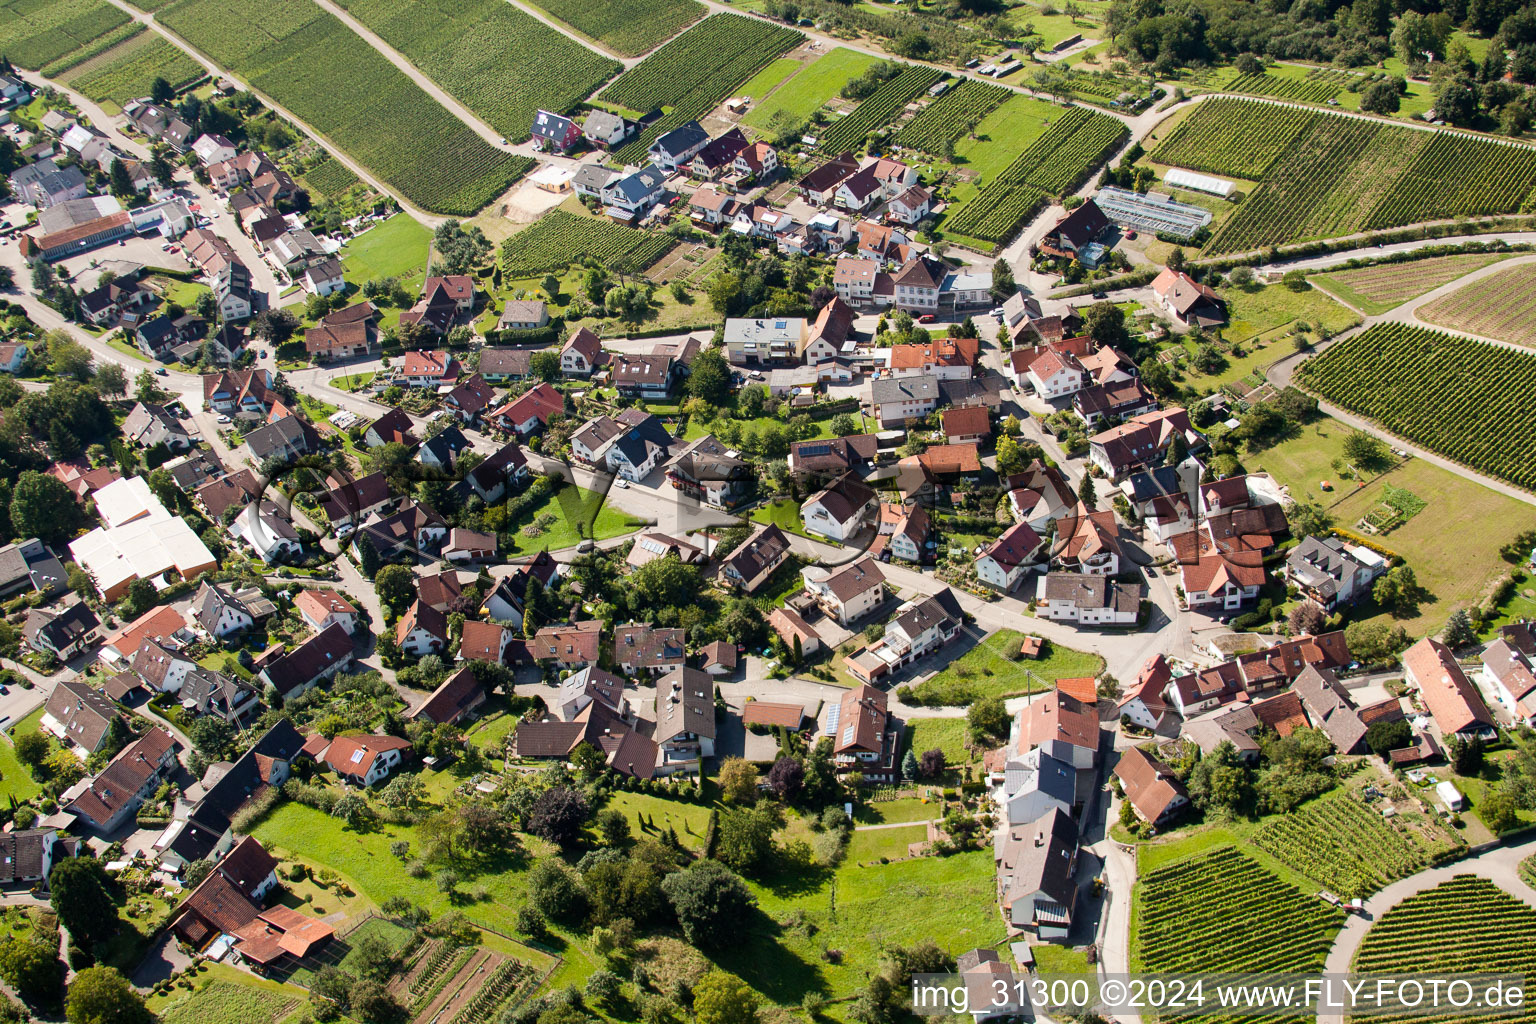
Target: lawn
(1058, 960)
(1520, 606)
(1454, 550)
(989, 669)
(491, 730)
(126, 349)
(396, 247)
(578, 514)
(947, 734)
(784, 513)
(910, 808)
(1052, 28)
(811, 86)
(768, 79)
(688, 820)
(1374, 290)
(15, 781)
(870, 844)
(1264, 311)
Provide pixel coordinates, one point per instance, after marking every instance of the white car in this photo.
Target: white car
(345, 530)
(621, 482)
(224, 419)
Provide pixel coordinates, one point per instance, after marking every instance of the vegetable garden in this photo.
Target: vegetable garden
(324, 73)
(1467, 400)
(1465, 925)
(879, 109)
(1222, 911)
(938, 125)
(130, 69)
(629, 26)
(1324, 174)
(693, 73)
(559, 239)
(499, 62)
(1343, 844)
(1054, 164)
(34, 33)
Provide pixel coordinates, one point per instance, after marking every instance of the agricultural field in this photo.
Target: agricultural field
(1054, 164)
(693, 73)
(1501, 306)
(499, 62)
(1323, 175)
(1466, 924)
(878, 110)
(1316, 85)
(93, 52)
(809, 88)
(128, 70)
(941, 123)
(329, 179)
(222, 998)
(559, 239)
(1467, 400)
(630, 27)
(34, 34)
(323, 72)
(1374, 290)
(1345, 845)
(1223, 911)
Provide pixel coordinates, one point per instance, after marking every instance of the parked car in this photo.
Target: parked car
(224, 419)
(160, 371)
(926, 318)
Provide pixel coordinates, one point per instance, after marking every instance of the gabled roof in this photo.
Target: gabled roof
(354, 755)
(1447, 692)
(862, 721)
(425, 618)
(457, 694)
(1149, 784)
(1057, 716)
(843, 499)
(685, 704)
(306, 662)
(1018, 546)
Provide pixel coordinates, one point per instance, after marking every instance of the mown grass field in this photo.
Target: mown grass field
(1374, 290)
(947, 734)
(395, 248)
(323, 72)
(578, 514)
(768, 79)
(992, 668)
(810, 87)
(1501, 306)
(1454, 549)
(498, 61)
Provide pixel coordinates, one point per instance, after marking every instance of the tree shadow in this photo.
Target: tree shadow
(762, 959)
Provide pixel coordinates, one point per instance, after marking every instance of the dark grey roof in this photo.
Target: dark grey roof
(681, 139)
(917, 387)
(446, 445)
(273, 438)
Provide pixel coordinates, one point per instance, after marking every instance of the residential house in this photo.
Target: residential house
(1088, 600)
(849, 593)
(763, 340)
(1457, 707)
(270, 533)
(1087, 542)
(29, 565)
(941, 358)
(755, 560)
(915, 286)
(366, 760)
(320, 609)
(231, 491)
(866, 738)
(1143, 703)
(402, 534)
(1006, 560)
(45, 184)
(1141, 441)
(910, 207)
(241, 393)
(793, 629)
(755, 161)
(685, 721)
(218, 613)
(523, 315)
(1330, 708)
(553, 132)
(429, 368)
(896, 401)
(323, 277)
(149, 425)
(970, 425)
(718, 157)
(349, 502)
(579, 356)
(821, 185)
(599, 723)
(471, 397)
(1151, 788)
(840, 510)
(833, 457)
(444, 300)
(607, 129)
(1121, 400)
(643, 376)
(1077, 230)
(491, 479)
(568, 645)
(394, 427)
(466, 547)
(205, 692)
(650, 546)
(107, 303)
(499, 365)
(920, 627)
(674, 149)
(1187, 300)
(321, 656)
(628, 196)
(458, 695)
(641, 647)
(1058, 716)
(484, 641)
(80, 716)
(106, 802)
(708, 472)
(422, 630)
(213, 149)
(1331, 572)
(903, 533)
(284, 440)
(1036, 875)
(505, 601)
(854, 279)
(442, 449)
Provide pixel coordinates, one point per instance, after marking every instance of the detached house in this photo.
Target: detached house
(1187, 300)
(839, 511)
(1036, 875)
(685, 720)
(422, 630)
(366, 760)
(865, 737)
(750, 565)
(1087, 599)
(1006, 561)
(640, 647)
(919, 628)
(429, 368)
(62, 634)
(553, 132)
(849, 593)
(580, 355)
(715, 159)
(320, 657)
(443, 301)
(1457, 707)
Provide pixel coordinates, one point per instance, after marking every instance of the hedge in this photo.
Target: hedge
(547, 335)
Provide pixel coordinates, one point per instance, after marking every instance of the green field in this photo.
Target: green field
(324, 73)
(768, 79)
(1500, 306)
(947, 734)
(810, 87)
(499, 62)
(629, 26)
(1263, 311)
(329, 178)
(396, 248)
(129, 69)
(223, 998)
(1454, 551)
(1323, 175)
(34, 33)
(570, 506)
(992, 668)
(561, 238)
(15, 780)
(1374, 290)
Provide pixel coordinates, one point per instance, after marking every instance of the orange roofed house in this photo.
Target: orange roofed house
(1457, 707)
(228, 904)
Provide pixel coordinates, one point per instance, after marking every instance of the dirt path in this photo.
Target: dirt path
(463, 988)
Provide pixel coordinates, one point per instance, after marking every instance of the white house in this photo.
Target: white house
(1087, 600)
(1004, 563)
(267, 531)
(1055, 375)
(1506, 676)
(839, 511)
(213, 149)
(321, 608)
(848, 594)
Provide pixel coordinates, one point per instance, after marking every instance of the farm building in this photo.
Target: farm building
(1179, 178)
(1155, 212)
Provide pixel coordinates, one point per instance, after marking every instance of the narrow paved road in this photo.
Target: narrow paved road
(576, 37)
